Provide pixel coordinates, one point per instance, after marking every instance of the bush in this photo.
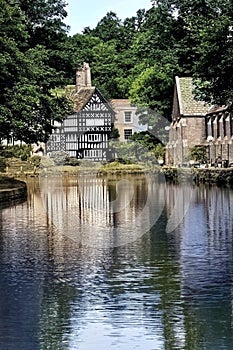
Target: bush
(2, 164)
(46, 162)
(59, 157)
(199, 154)
(35, 160)
(17, 151)
(73, 161)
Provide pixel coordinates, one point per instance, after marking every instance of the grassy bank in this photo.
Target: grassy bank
(20, 169)
(16, 168)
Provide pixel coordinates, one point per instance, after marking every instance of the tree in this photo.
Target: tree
(45, 27)
(153, 88)
(145, 138)
(108, 28)
(199, 154)
(207, 26)
(28, 104)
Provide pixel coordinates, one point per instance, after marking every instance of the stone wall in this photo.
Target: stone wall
(16, 191)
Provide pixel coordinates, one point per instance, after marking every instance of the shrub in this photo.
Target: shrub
(17, 151)
(46, 162)
(35, 160)
(159, 151)
(59, 157)
(73, 161)
(198, 154)
(2, 164)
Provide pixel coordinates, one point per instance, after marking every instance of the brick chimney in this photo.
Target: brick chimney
(83, 77)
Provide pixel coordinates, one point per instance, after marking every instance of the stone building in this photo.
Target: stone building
(126, 119)
(219, 134)
(84, 134)
(195, 123)
(188, 127)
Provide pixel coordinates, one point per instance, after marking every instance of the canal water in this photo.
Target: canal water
(117, 263)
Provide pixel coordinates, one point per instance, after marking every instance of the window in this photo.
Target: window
(93, 153)
(128, 133)
(94, 137)
(128, 117)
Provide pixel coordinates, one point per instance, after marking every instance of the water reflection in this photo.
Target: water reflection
(165, 290)
(102, 211)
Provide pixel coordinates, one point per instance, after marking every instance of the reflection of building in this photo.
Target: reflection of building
(126, 120)
(197, 124)
(85, 133)
(98, 212)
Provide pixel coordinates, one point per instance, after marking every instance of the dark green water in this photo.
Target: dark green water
(135, 266)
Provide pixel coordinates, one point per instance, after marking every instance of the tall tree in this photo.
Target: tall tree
(28, 103)
(207, 28)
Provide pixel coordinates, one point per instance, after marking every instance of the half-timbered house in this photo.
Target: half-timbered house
(85, 133)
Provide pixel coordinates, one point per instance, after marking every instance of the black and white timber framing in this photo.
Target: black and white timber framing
(85, 134)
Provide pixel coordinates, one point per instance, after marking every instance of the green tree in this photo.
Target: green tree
(199, 154)
(206, 27)
(28, 104)
(153, 88)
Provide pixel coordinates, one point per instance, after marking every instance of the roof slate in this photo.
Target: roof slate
(82, 97)
(189, 106)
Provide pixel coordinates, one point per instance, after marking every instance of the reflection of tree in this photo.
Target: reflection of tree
(204, 247)
(56, 315)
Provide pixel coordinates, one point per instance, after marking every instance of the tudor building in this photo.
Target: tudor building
(84, 134)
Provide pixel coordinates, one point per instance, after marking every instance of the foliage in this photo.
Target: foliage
(27, 105)
(133, 152)
(198, 154)
(146, 139)
(152, 88)
(72, 161)
(2, 164)
(206, 37)
(136, 58)
(59, 157)
(159, 151)
(46, 162)
(114, 133)
(35, 160)
(16, 151)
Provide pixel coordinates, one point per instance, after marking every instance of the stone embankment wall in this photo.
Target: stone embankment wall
(16, 190)
(211, 176)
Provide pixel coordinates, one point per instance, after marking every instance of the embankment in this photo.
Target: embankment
(210, 176)
(12, 189)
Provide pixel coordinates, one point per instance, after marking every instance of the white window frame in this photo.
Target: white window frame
(128, 117)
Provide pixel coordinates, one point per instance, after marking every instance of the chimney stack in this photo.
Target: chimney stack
(83, 77)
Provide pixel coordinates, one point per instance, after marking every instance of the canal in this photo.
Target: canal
(117, 263)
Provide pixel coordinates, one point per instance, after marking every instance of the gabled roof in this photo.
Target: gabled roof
(188, 105)
(81, 97)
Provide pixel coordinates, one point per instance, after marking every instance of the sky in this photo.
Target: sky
(87, 13)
